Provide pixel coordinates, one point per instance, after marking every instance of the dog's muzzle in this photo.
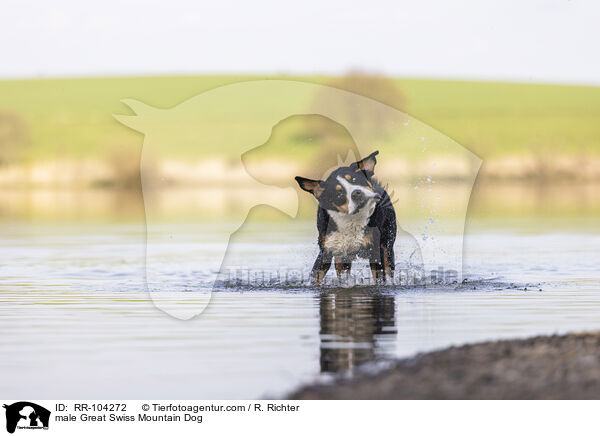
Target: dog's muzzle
(360, 199)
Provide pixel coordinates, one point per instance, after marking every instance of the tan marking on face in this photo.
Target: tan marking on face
(338, 187)
(347, 177)
(343, 208)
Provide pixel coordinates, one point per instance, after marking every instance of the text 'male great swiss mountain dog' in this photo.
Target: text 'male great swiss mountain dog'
(356, 218)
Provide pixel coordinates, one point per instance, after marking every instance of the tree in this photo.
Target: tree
(374, 123)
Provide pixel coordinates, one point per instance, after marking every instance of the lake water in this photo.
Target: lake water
(77, 320)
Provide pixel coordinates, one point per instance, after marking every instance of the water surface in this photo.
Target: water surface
(77, 321)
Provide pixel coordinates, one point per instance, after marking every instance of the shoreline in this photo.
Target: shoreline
(88, 172)
(542, 367)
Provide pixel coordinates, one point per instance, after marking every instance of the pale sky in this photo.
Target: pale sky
(531, 40)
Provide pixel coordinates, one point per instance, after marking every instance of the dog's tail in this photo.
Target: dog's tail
(393, 199)
(389, 198)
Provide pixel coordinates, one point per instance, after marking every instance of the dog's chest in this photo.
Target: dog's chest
(349, 236)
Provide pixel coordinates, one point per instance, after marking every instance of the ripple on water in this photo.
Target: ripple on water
(68, 311)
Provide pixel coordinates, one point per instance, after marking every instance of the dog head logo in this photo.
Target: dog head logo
(26, 415)
(228, 136)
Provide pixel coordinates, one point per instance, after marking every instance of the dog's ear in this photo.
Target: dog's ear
(367, 164)
(315, 187)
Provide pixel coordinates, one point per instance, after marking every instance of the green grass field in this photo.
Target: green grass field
(72, 118)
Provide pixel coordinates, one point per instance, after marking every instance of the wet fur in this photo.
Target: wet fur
(370, 233)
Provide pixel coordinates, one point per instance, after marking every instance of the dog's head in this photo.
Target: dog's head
(347, 189)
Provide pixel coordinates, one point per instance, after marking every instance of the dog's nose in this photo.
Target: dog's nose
(357, 196)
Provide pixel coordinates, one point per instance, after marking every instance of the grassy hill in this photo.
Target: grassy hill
(72, 118)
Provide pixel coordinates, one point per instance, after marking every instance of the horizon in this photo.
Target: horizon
(287, 76)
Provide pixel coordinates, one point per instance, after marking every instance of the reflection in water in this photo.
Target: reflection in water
(356, 327)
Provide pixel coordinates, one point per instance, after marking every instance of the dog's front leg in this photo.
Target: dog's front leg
(343, 265)
(347, 266)
(321, 266)
(376, 263)
(388, 258)
(376, 266)
(376, 271)
(339, 267)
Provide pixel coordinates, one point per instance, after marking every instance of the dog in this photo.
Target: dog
(355, 218)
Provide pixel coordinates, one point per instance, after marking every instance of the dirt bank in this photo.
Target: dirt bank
(545, 367)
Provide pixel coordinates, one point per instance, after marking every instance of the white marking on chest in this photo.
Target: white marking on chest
(348, 238)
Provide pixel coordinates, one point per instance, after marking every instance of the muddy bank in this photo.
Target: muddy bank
(545, 367)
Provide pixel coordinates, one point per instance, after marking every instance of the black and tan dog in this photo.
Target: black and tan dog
(356, 218)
